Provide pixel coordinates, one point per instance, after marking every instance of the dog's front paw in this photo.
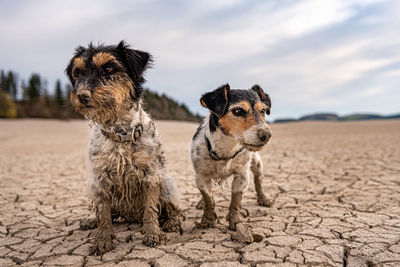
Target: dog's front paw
(152, 235)
(103, 242)
(233, 219)
(172, 225)
(208, 221)
(152, 240)
(88, 224)
(262, 200)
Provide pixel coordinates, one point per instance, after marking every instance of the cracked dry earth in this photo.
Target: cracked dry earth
(335, 189)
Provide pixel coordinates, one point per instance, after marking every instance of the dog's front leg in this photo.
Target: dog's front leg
(151, 229)
(105, 233)
(210, 218)
(256, 168)
(239, 185)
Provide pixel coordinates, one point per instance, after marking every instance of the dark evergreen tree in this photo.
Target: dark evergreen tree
(45, 96)
(33, 89)
(12, 81)
(59, 96)
(2, 80)
(68, 89)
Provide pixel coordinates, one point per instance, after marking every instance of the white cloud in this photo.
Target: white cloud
(372, 92)
(305, 51)
(394, 72)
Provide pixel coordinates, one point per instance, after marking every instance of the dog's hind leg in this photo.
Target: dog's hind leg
(88, 224)
(170, 200)
(91, 223)
(210, 218)
(256, 168)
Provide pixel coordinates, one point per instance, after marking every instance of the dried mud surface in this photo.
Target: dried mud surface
(335, 189)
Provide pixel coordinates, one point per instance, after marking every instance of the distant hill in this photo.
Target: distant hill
(335, 117)
(320, 117)
(165, 108)
(285, 120)
(395, 116)
(357, 117)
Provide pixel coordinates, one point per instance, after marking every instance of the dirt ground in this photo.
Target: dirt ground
(335, 189)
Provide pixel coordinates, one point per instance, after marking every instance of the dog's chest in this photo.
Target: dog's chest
(225, 168)
(120, 169)
(110, 156)
(123, 158)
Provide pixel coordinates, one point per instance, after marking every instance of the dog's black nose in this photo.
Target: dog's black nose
(264, 135)
(83, 96)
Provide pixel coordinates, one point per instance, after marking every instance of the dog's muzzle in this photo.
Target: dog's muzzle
(264, 135)
(83, 96)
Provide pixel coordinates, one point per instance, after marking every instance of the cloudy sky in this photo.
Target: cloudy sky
(310, 56)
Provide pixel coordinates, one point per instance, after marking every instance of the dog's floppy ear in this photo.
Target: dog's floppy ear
(263, 96)
(78, 51)
(217, 100)
(68, 70)
(135, 61)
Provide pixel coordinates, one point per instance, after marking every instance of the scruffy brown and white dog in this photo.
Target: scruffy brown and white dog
(225, 144)
(127, 176)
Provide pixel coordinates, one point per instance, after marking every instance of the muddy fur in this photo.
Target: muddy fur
(126, 179)
(234, 214)
(226, 144)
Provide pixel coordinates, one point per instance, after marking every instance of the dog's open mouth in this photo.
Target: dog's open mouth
(253, 147)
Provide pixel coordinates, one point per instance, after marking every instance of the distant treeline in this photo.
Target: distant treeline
(31, 99)
(164, 108)
(335, 117)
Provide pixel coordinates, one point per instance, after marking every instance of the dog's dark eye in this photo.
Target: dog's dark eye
(108, 70)
(77, 73)
(238, 112)
(263, 111)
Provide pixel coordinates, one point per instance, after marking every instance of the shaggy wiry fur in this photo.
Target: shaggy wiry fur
(225, 144)
(127, 176)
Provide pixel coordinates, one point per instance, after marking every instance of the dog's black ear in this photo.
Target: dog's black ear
(78, 52)
(263, 96)
(217, 100)
(68, 70)
(135, 61)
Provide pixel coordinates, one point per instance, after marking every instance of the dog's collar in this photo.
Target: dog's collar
(214, 156)
(130, 136)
